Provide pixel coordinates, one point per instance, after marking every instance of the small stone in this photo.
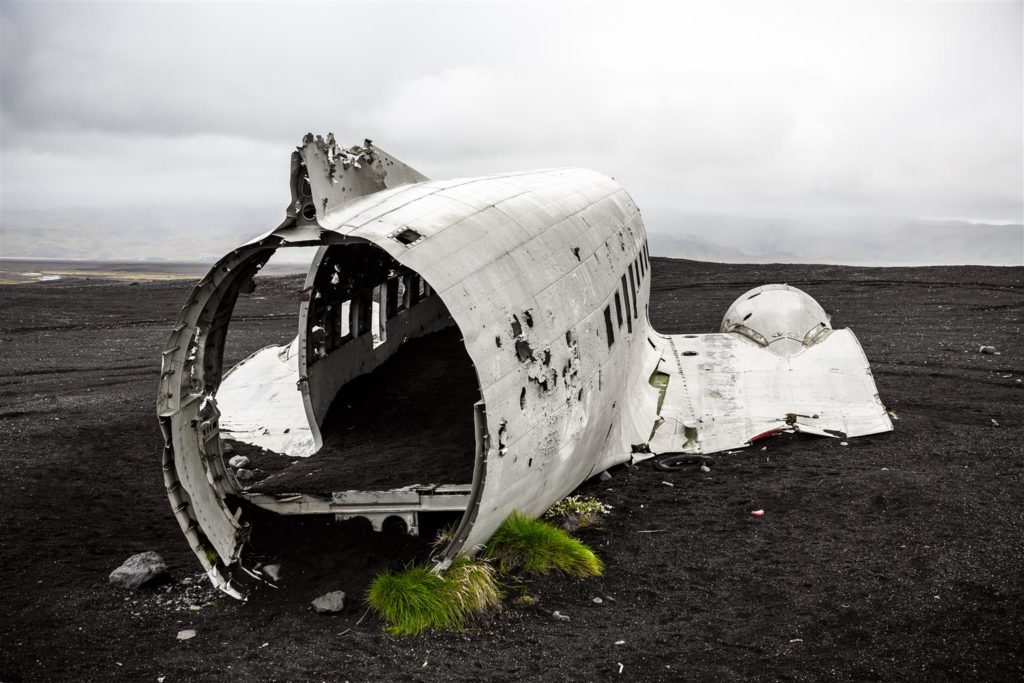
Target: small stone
(138, 569)
(330, 603)
(605, 476)
(561, 617)
(598, 601)
(226, 448)
(844, 443)
(990, 350)
(705, 468)
(186, 634)
(238, 462)
(244, 475)
(273, 572)
(620, 642)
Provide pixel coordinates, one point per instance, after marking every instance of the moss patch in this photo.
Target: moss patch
(573, 513)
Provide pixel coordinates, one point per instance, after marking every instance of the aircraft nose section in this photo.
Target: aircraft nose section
(783, 319)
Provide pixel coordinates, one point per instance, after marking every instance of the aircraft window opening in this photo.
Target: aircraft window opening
(393, 298)
(378, 323)
(618, 309)
(609, 330)
(343, 322)
(625, 295)
(632, 288)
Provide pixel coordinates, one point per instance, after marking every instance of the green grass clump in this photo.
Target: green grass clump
(416, 600)
(537, 547)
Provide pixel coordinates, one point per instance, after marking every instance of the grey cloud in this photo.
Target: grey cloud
(773, 110)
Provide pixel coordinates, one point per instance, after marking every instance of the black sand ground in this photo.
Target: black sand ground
(900, 556)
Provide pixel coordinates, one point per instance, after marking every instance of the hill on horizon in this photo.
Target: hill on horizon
(206, 234)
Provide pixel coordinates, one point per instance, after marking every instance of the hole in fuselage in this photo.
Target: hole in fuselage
(408, 236)
(390, 379)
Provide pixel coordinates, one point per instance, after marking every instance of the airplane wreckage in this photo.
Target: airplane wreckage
(544, 276)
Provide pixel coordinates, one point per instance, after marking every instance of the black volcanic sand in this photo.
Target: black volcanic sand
(410, 421)
(897, 557)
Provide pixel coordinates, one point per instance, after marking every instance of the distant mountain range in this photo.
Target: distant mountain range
(202, 234)
(860, 241)
(185, 234)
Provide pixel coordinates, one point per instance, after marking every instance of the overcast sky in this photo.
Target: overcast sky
(774, 109)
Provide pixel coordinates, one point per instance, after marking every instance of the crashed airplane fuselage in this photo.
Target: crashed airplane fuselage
(546, 275)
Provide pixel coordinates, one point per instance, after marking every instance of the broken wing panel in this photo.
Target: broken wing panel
(725, 391)
(261, 404)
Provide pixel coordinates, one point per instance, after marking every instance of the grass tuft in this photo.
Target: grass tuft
(444, 537)
(473, 584)
(416, 600)
(537, 547)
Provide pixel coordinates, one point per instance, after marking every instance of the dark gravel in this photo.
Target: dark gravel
(897, 557)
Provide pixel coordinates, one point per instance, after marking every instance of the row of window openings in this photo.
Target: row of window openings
(391, 297)
(637, 270)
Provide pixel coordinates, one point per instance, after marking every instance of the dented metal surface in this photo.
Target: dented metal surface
(546, 274)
